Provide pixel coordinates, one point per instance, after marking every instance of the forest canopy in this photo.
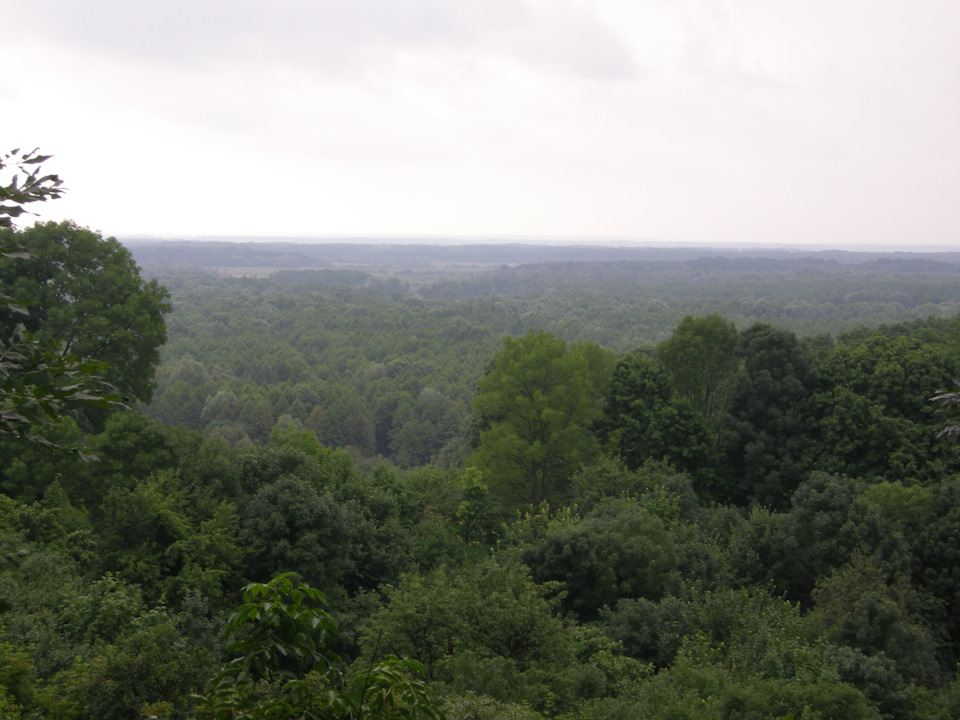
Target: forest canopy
(686, 488)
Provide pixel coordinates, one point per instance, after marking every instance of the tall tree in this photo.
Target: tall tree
(644, 421)
(38, 379)
(536, 404)
(700, 362)
(86, 295)
(768, 438)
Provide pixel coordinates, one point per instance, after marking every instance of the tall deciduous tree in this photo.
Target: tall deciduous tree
(644, 421)
(85, 294)
(36, 381)
(700, 362)
(768, 440)
(537, 402)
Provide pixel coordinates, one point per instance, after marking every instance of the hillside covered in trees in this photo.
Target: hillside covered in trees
(663, 487)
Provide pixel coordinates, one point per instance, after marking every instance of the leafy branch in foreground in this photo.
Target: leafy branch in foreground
(284, 666)
(34, 187)
(949, 401)
(14, 194)
(37, 386)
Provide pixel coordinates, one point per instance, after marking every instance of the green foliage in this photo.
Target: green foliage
(275, 630)
(31, 594)
(693, 691)
(44, 376)
(537, 402)
(642, 420)
(17, 691)
(936, 559)
(865, 610)
(104, 612)
(767, 438)
(619, 549)
(827, 524)
(700, 362)
(170, 538)
(608, 478)
(322, 520)
(34, 187)
(303, 440)
(443, 532)
(873, 420)
(939, 704)
(906, 505)
(284, 665)
(948, 401)
(153, 664)
(471, 706)
(28, 469)
(641, 573)
(97, 652)
(37, 385)
(487, 627)
(291, 526)
(731, 654)
(398, 369)
(85, 293)
(475, 516)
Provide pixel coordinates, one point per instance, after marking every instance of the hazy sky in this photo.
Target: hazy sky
(758, 121)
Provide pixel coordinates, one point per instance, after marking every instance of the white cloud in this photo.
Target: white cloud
(694, 120)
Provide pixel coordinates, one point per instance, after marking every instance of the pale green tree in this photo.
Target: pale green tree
(700, 362)
(535, 407)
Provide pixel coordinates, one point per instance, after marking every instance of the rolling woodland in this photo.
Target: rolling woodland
(485, 483)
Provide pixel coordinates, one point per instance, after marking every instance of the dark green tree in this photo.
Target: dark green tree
(39, 378)
(862, 607)
(936, 559)
(170, 538)
(619, 549)
(486, 627)
(948, 401)
(642, 420)
(38, 385)
(828, 523)
(152, 665)
(768, 435)
(873, 418)
(85, 294)
(293, 527)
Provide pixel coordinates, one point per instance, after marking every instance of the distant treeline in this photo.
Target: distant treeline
(151, 254)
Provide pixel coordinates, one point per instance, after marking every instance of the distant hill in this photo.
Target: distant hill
(184, 254)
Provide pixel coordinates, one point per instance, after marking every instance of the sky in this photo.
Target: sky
(799, 122)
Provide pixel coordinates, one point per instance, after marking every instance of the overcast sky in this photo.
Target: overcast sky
(827, 122)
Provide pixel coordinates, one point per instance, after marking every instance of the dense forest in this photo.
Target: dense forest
(368, 363)
(687, 486)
